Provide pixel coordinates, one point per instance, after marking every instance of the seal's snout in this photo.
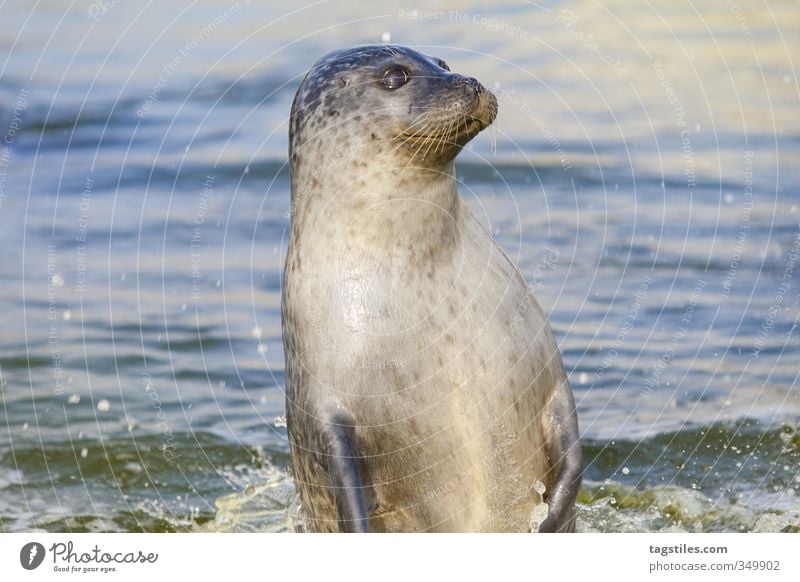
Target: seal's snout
(488, 105)
(485, 104)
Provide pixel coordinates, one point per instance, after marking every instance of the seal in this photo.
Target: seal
(424, 388)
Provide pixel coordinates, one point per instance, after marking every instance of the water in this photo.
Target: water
(644, 179)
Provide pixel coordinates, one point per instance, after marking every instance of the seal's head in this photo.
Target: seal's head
(389, 102)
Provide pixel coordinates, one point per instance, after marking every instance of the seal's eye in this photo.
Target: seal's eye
(395, 77)
(443, 65)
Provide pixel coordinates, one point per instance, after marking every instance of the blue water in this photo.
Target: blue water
(642, 174)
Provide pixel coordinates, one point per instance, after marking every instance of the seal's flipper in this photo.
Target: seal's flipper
(564, 450)
(341, 462)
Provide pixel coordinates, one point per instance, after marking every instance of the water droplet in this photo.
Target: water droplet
(84, 453)
(386, 37)
(67, 315)
(262, 348)
(257, 331)
(104, 405)
(280, 421)
(57, 280)
(626, 471)
(74, 398)
(583, 378)
(183, 307)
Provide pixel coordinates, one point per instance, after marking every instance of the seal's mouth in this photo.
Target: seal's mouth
(464, 126)
(442, 132)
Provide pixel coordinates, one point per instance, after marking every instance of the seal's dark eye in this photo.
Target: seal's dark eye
(443, 65)
(395, 77)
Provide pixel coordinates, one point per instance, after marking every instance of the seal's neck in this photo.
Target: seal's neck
(400, 212)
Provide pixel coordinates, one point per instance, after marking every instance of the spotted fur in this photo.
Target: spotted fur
(406, 329)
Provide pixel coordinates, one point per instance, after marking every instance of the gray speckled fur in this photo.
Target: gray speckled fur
(404, 322)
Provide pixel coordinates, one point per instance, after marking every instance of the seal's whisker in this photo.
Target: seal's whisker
(425, 127)
(430, 140)
(447, 137)
(421, 117)
(409, 137)
(420, 132)
(455, 130)
(424, 118)
(419, 121)
(442, 140)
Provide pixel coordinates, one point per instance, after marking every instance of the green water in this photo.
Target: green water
(681, 481)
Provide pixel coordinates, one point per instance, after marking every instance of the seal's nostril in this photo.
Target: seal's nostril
(469, 81)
